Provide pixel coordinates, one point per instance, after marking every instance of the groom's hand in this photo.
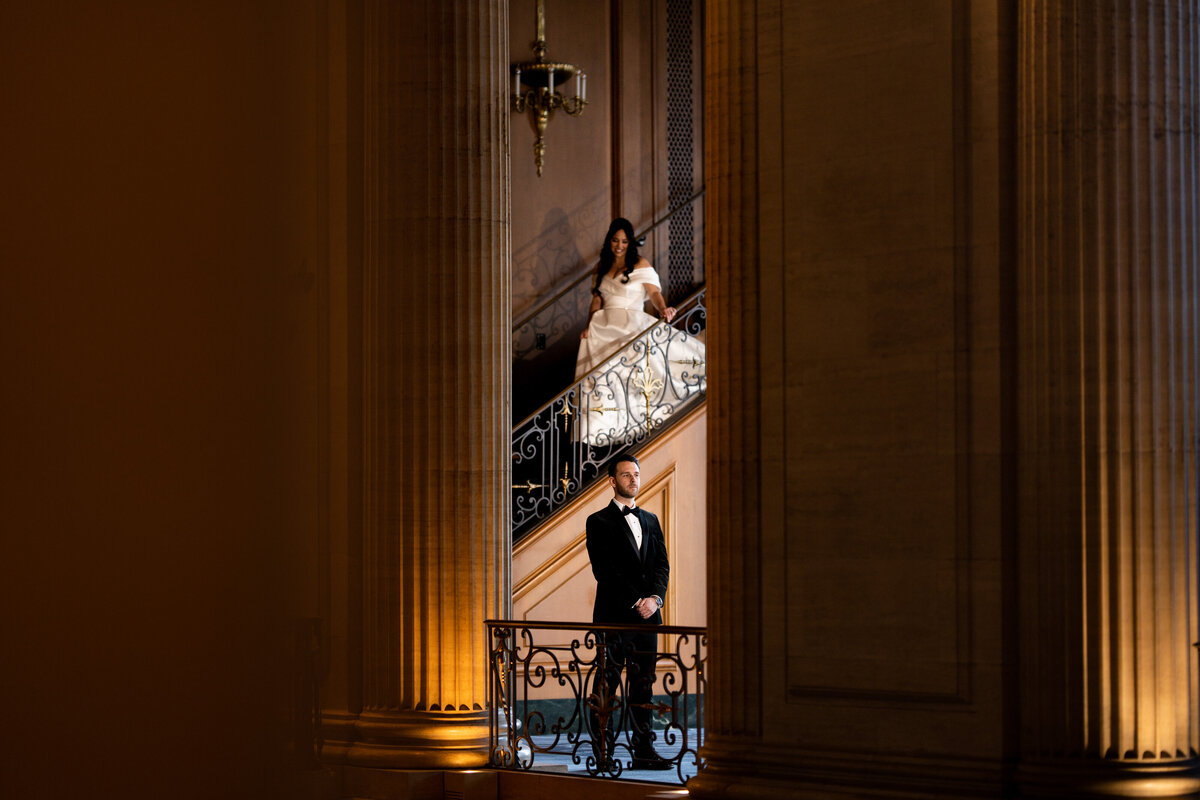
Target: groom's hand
(646, 607)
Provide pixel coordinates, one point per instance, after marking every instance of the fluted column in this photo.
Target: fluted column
(436, 357)
(733, 710)
(1107, 353)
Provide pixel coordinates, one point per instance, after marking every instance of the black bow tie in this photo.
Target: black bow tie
(629, 510)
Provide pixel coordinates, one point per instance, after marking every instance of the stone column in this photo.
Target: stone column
(436, 364)
(733, 711)
(1107, 383)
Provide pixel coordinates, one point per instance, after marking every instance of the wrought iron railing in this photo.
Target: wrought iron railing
(594, 698)
(563, 447)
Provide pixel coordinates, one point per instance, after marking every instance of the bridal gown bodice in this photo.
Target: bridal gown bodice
(619, 320)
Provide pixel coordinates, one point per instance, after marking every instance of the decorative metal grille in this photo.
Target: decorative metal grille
(560, 694)
(681, 120)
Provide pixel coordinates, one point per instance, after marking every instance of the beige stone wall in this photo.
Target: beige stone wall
(560, 217)
(552, 577)
(861, 248)
(874, 250)
(855, 414)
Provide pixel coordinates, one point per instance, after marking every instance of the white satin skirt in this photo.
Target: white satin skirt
(631, 384)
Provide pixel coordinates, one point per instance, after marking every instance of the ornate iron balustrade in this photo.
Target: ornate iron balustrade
(563, 447)
(559, 697)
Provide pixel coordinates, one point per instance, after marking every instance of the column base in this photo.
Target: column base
(338, 733)
(420, 740)
(1100, 778)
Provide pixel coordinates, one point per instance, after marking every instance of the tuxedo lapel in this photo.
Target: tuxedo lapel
(619, 520)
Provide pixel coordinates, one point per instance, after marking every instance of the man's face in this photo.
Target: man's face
(627, 479)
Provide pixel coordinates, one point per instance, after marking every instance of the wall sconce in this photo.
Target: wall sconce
(534, 89)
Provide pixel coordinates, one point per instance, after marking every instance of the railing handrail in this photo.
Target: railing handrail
(558, 296)
(542, 625)
(690, 299)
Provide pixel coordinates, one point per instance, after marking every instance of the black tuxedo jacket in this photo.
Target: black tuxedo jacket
(623, 574)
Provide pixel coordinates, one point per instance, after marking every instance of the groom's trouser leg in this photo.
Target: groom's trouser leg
(639, 671)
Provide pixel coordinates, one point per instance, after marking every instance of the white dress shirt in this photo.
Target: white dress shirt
(634, 524)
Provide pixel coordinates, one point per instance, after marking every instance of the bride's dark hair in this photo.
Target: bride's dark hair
(606, 254)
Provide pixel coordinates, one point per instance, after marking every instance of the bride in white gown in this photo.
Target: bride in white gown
(632, 377)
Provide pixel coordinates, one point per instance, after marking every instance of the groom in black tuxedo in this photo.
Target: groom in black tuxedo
(629, 559)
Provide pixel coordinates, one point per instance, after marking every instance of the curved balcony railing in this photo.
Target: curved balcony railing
(560, 699)
(563, 447)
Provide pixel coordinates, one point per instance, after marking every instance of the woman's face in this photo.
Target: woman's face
(619, 243)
